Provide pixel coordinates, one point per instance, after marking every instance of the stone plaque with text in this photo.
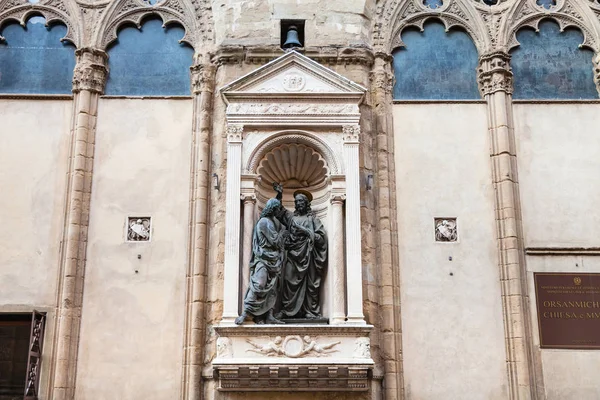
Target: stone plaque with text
(568, 308)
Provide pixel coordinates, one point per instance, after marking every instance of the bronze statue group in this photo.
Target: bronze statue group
(289, 256)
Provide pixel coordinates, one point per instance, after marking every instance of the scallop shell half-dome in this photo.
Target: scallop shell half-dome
(294, 166)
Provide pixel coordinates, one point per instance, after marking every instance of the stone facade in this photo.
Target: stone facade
(439, 212)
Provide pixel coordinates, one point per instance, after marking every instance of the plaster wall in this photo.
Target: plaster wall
(557, 149)
(134, 297)
(34, 148)
(256, 22)
(452, 329)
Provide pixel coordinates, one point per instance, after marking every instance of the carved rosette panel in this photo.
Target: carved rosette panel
(494, 73)
(52, 10)
(528, 13)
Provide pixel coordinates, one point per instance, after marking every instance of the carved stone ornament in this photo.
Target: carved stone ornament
(382, 80)
(363, 348)
(293, 108)
(446, 230)
(235, 133)
(293, 347)
(203, 78)
(138, 229)
(224, 349)
(90, 71)
(350, 133)
(494, 73)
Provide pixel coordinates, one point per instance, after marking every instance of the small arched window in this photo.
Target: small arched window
(149, 61)
(436, 64)
(549, 64)
(33, 60)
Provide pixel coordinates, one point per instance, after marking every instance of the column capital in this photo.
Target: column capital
(203, 78)
(337, 198)
(494, 73)
(248, 197)
(351, 133)
(91, 70)
(235, 133)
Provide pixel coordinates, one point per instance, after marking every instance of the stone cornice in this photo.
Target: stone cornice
(263, 54)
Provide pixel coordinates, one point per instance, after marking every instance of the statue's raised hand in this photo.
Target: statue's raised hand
(278, 187)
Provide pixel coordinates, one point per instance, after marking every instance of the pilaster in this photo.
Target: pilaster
(231, 271)
(336, 259)
(202, 85)
(495, 84)
(390, 327)
(353, 229)
(89, 78)
(596, 61)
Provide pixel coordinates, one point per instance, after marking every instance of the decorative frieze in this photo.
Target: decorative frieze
(494, 73)
(280, 108)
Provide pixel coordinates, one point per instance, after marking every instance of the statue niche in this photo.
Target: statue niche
(289, 248)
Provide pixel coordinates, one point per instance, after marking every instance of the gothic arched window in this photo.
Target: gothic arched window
(33, 60)
(149, 61)
(436, 64)
(549, 64)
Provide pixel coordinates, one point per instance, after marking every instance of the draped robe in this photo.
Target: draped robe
(267, 255)
(306, 260)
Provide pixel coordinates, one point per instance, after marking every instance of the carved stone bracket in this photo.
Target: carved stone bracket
(382, 80)
(494, 73)
(203, 78)
(90, 71)
(235, 133)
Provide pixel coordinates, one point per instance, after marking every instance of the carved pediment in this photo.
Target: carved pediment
(293, 89)
(293, 73)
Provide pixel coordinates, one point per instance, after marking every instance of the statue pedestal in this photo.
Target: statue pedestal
(308, 357)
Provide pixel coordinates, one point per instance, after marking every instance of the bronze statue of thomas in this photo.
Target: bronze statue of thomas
(306, 258)
(265, 267)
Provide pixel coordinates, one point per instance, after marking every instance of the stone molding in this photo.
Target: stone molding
(259, 55)
(494, 73)
(91, 70)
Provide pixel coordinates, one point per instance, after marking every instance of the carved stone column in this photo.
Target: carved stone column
(203, 77)
(231, 273)
(596, 62)
(353, 228)
(495, 84)
(382, 83)
(249, 204)
(336, 260)
(89, 78)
